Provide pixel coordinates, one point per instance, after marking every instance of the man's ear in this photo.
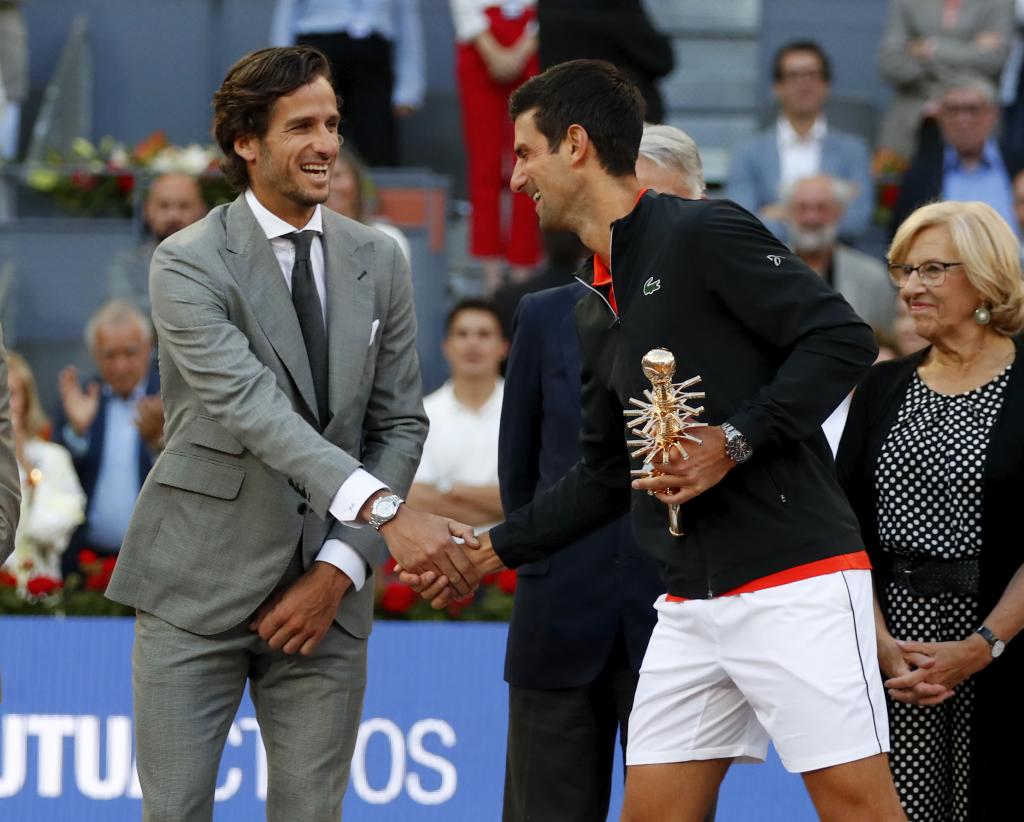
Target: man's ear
(246, 147)
(579, 143)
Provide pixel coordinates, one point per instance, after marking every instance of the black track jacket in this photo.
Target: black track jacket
(777, 350)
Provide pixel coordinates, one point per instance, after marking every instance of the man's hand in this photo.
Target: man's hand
(436, 590)
(422, 542)
(684, 479)
(297, 618)
(80, 407)
(149, 419)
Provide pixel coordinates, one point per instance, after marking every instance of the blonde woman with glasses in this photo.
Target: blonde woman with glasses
(932, 460)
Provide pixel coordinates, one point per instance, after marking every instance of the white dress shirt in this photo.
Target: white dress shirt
(799, 157)
(360, 483)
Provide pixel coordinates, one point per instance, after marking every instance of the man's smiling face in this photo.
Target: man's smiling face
(541, 174)
(290, 166)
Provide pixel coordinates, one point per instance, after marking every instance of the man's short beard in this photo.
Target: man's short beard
(813, 240)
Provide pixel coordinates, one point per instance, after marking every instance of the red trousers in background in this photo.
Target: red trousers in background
(487, 132)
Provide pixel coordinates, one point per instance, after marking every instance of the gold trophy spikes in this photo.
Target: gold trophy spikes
(664, 421)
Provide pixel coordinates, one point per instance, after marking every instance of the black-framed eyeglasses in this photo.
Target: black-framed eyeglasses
(932, 273)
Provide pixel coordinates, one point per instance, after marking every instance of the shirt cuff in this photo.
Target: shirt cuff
(354, 491)
(76, 444)
(346, 559)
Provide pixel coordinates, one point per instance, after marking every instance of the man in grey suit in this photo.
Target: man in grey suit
(293, 411)
(10, 482)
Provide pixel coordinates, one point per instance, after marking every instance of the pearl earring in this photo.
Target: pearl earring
(982, 316)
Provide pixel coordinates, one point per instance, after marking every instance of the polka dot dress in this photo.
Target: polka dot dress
(929, 483)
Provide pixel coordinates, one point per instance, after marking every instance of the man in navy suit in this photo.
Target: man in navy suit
(113, 426)
(581, 619)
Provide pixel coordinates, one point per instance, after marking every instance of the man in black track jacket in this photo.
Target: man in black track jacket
(766, 630)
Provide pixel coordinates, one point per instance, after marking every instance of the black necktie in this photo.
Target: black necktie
(311, 318)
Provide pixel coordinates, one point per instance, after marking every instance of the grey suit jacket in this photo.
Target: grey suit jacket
(10, 481)
(245, 473)
(865, 283)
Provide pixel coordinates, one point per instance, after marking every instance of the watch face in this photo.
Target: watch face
(385, 507)
(997, 648)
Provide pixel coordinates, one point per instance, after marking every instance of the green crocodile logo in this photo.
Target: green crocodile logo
(651, 286)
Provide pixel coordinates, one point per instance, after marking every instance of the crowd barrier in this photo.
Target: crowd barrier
(430, 749)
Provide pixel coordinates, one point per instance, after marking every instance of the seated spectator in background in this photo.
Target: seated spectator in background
(1012, 84)
(378, 62)
(458, 474)
(10, 487)
(354, 195)
(669, 162)
(618, 31)
(52, 500)
(1018, 202)
(801, 144)
(971, 164)
(496, 51)
(814, 210)
(173, 202)
(113, 427)
(928, 43)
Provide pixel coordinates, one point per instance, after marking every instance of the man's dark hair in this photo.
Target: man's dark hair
(243, 103)
(592, 94)
(472, 304)
(802, 45)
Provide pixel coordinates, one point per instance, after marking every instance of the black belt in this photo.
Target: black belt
(930, 577)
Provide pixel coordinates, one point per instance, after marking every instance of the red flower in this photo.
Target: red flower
(86, 556)
(507, 581)
(888, 195)
(8, 580)
(83, 181)
(43, 586)
(125, 183)
(389, 565)
(397, 598)
(488, 579)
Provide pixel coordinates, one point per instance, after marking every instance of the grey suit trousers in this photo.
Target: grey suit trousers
(187, 689)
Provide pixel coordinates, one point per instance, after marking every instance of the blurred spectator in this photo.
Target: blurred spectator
(458, 474)
(814, 209)
(353, 195)
(377, 57)
(113, 427)
(52, 500)
(10, 486)
(618, 31)
(173, 202)
(669, 162)
(14, 71)
(1018, 201)
(801, 144)
(928, 43)
(1012, 90)
(496, 46)
(971, 164)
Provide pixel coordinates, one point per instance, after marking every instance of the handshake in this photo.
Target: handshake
(439, 558)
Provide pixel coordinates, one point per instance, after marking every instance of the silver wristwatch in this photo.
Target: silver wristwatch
(383, 510)
(995, 644)
(736, 446)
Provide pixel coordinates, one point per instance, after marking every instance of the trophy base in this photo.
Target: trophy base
(675, 527)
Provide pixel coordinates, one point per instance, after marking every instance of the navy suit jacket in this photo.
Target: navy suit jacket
(568, 609)
(88, 464)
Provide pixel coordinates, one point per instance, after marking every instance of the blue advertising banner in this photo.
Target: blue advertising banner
(431, 746)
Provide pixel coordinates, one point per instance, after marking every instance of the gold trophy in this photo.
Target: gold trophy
(664, 421)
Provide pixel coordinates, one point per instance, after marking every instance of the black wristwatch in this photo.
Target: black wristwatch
(996, 645)
(736, 446)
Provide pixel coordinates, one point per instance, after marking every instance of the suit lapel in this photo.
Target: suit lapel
(350, 307)
(250, 258)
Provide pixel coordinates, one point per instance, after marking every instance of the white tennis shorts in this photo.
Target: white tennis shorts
(796, 664)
